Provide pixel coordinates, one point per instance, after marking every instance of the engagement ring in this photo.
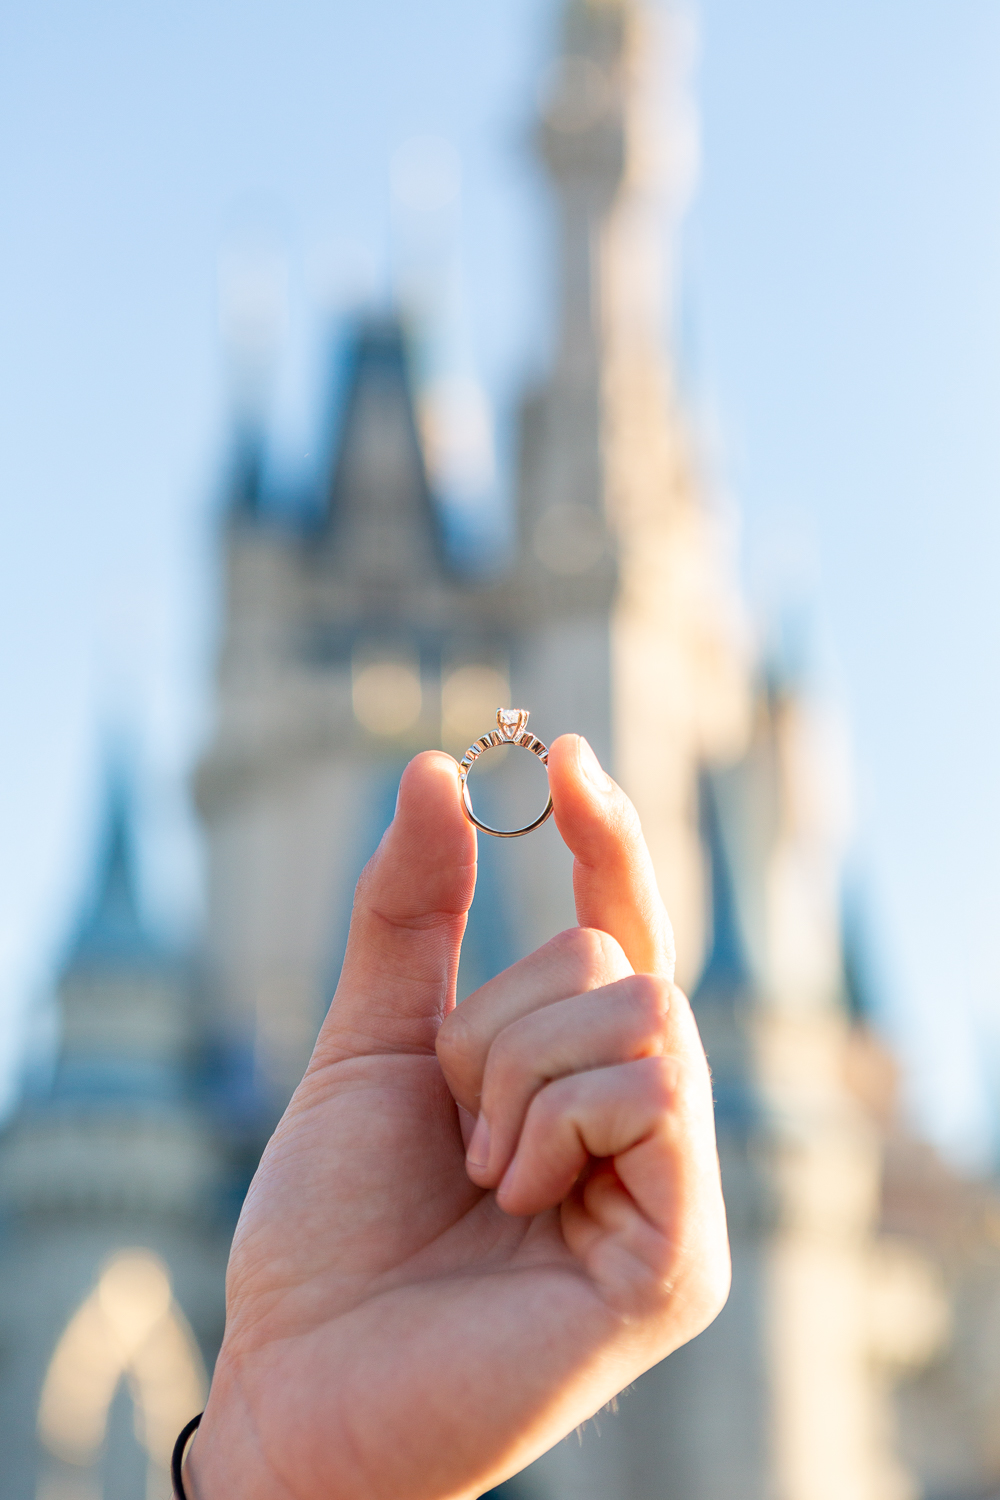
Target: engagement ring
(512, 729)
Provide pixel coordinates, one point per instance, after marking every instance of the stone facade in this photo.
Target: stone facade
(352, 642)
(115, 1222)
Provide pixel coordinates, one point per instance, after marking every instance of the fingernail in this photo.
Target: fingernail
(478, 1154)
(505, 1182)
(591, 767)
(467, 1124)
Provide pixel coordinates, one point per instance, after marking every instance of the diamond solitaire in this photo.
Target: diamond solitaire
(512, 721)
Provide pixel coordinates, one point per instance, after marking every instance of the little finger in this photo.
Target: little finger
(603, 1113)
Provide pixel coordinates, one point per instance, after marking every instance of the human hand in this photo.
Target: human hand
(407, 1324)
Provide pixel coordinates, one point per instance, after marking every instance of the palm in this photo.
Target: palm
(393, 1331)
(399, 1240)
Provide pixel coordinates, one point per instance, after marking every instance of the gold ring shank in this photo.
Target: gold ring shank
(493, 741)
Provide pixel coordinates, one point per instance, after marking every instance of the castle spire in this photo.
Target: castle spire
(582, 140)
(381, 519)
(123, 999)
(727, 969)
(113, 932)
(245, 488)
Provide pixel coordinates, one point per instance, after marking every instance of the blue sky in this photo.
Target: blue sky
(840, 333)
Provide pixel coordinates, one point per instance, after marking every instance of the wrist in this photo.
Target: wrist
(226, 1459)
(205, 1476)
(215, 1463)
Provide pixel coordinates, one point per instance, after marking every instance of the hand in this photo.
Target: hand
(404, 1324)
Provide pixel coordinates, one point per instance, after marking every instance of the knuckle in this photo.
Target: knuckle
(457, 1045)
(599, 946)
(608, 959)
(577, 946)
(645, 1003)
(651, 995)
(589, 956)
(505, 1060)
(659, 1081)
(549, 1105)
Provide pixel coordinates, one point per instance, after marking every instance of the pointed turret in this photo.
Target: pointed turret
(244, 491)
(860, 977)
(112, 931)
(114, 1165)
(582, 140)
(381, 521)
(125, 1059)
(123, 995)
(727, 970)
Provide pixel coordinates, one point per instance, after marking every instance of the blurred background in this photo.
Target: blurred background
(365, 368)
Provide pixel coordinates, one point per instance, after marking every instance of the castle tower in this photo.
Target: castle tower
(787, 1395)
(606, 436)
(801, 1158)
(352, 641)
(112, 1253)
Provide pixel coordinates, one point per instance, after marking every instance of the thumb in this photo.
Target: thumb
(410, 908)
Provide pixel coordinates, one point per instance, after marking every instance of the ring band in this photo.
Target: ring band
(512, 729)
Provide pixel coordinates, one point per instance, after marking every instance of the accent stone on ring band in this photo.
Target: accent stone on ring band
(512, 729)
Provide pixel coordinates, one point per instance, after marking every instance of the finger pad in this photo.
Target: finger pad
(427, 860)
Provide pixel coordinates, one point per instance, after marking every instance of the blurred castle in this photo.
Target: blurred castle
(859, 1353)
(115, 1233)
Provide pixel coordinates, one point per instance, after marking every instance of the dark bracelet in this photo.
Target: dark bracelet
(177, 1461)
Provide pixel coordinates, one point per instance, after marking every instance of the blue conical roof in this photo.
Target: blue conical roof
(112, 932)
(379, 504)
(245, 488)
(727, 967)
(860, 971)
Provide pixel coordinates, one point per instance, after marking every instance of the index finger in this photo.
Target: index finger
(613, 878)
